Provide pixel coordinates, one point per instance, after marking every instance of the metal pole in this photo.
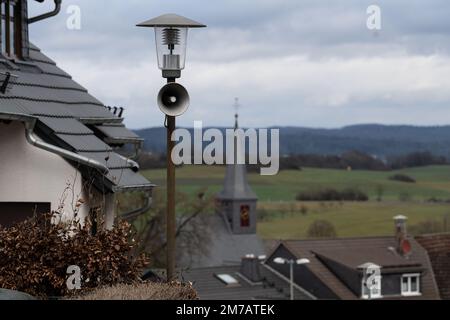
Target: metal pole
(292, 279)
(171, 219)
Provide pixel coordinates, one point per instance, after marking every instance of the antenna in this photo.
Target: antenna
(236, 106)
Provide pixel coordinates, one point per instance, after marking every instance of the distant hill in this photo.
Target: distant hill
(377, 140)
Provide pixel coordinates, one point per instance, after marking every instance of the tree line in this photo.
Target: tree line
(351, 160)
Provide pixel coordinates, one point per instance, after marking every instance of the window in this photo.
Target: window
(374, 292)
(93, 220)
(227, 279)
(410, 284)
(371, 282)
(11, 28)
(14, 212)
(245, 216)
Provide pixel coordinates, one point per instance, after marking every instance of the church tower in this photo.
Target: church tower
(237, 201)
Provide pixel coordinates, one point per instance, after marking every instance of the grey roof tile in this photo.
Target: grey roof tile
(117, 131)
(127, 179)
(111, 159)
(42, 108)
(65, 125)
(57, 95)
(46, 80)
(63, 106)
(84, 143)
(83, 111)
(51, 69)
(36, 55)
(12, 106)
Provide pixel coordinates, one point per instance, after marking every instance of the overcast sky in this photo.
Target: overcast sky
(307, 63)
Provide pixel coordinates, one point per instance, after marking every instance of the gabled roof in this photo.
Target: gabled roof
(352, 252)
(69, 117)
(438, 248)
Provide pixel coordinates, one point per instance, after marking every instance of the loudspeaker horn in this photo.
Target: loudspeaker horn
(173, 99)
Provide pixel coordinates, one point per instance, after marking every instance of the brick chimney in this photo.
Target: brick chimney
(251, 268)
(403, 246)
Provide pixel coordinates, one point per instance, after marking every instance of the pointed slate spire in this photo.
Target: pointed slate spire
(237, 201)
(236, 184)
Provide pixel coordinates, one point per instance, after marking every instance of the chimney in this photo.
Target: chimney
(403, 246)
(250, 268)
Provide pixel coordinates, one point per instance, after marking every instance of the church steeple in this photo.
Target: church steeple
(237, 201)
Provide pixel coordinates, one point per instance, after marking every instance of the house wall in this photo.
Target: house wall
(30, 174)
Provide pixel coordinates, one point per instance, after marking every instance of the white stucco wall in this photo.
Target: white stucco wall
(30, 174)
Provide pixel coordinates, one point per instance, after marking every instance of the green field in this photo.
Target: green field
(277, 197)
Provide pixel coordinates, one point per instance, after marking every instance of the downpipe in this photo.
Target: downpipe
(138, 212)
(48, 14)
(69, 155)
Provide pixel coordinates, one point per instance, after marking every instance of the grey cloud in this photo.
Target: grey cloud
(243, 53)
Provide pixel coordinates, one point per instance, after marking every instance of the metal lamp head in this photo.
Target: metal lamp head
(171, 41)
(173, 99)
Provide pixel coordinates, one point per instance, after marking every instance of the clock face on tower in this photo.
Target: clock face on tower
(245, 216)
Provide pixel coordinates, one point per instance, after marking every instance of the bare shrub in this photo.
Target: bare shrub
(321, 229)
(304, 210)
(35, 255)
(193, 231)
(430, 226)
(330, 194)
(144, 291)
(402, 178)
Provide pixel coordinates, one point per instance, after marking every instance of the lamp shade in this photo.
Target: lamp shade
(171, 32)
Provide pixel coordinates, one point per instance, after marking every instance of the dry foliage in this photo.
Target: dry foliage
(35, 255)
(144, 291)
(193, 232)
(321, 229)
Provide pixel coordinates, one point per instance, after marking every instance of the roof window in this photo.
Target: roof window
(227, 279)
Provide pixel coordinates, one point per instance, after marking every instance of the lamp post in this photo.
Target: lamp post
(171, 32)
(291, 263)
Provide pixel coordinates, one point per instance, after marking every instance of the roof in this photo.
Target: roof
(438, 248)
(224, 247)
(209, 287)
(69, 117)
(352, 252)
(356, 257)
(236, 185)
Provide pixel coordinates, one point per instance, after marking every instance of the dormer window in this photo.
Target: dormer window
(11, 28)
(410, 284)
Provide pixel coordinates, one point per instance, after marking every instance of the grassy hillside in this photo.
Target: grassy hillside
(432, 181)
(283, 217)
(350, 219)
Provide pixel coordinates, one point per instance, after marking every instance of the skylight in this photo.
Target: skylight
(227, 279)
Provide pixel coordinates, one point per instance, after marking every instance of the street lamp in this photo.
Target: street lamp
(171, 32)
(173, 99)
(291, 263)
